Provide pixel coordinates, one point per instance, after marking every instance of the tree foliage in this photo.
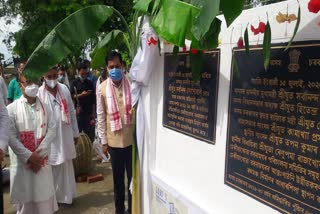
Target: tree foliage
(39, 17)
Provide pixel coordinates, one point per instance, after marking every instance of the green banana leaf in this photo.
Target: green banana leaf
(196, 61)
(188, 22)
(196, 3)
(267, 46)
(69, 35)
(235, 67)
(246, 41)
(142, 6)
(174, 20)
(156, 5)
(210, 39)
(177, 20)
(98, 60)
(296, 28)
(206, 18)
(231, 9)
(99, 53)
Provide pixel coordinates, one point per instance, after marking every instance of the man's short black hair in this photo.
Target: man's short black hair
(112, 55)
(82, 66)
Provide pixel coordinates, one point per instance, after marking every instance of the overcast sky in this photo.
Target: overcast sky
(4, 31)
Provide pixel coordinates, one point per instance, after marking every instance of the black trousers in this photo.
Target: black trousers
(84, 124)
(121, 161)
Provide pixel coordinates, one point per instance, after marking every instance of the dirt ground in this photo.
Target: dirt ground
(94, 198)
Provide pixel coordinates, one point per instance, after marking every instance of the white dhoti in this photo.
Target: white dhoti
(64, 182)
(44, 207)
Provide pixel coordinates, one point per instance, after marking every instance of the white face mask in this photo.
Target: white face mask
(52, 83)
(32, 90)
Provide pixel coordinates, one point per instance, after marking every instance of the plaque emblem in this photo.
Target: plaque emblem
(294, 60)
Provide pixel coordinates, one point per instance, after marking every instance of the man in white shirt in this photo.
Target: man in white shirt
(58, 98)
(4, 120)
(31, 131)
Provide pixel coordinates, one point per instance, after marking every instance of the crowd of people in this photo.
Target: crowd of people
(40, 123)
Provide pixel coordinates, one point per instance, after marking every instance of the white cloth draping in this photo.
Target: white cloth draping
(140, 73)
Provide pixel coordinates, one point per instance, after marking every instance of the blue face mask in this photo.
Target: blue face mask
(115, 74)
(61, 79)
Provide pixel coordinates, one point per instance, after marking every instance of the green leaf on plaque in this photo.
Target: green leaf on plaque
(246, 41)
(235, 67)
(159, 46)
(296, 28)
(175, 55)
(267, 46)
(196, 61)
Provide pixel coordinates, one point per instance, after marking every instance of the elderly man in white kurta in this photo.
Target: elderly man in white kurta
(31, 131)
(58, 98)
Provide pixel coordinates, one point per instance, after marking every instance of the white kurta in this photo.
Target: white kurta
(62, 148)
(29, 190)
